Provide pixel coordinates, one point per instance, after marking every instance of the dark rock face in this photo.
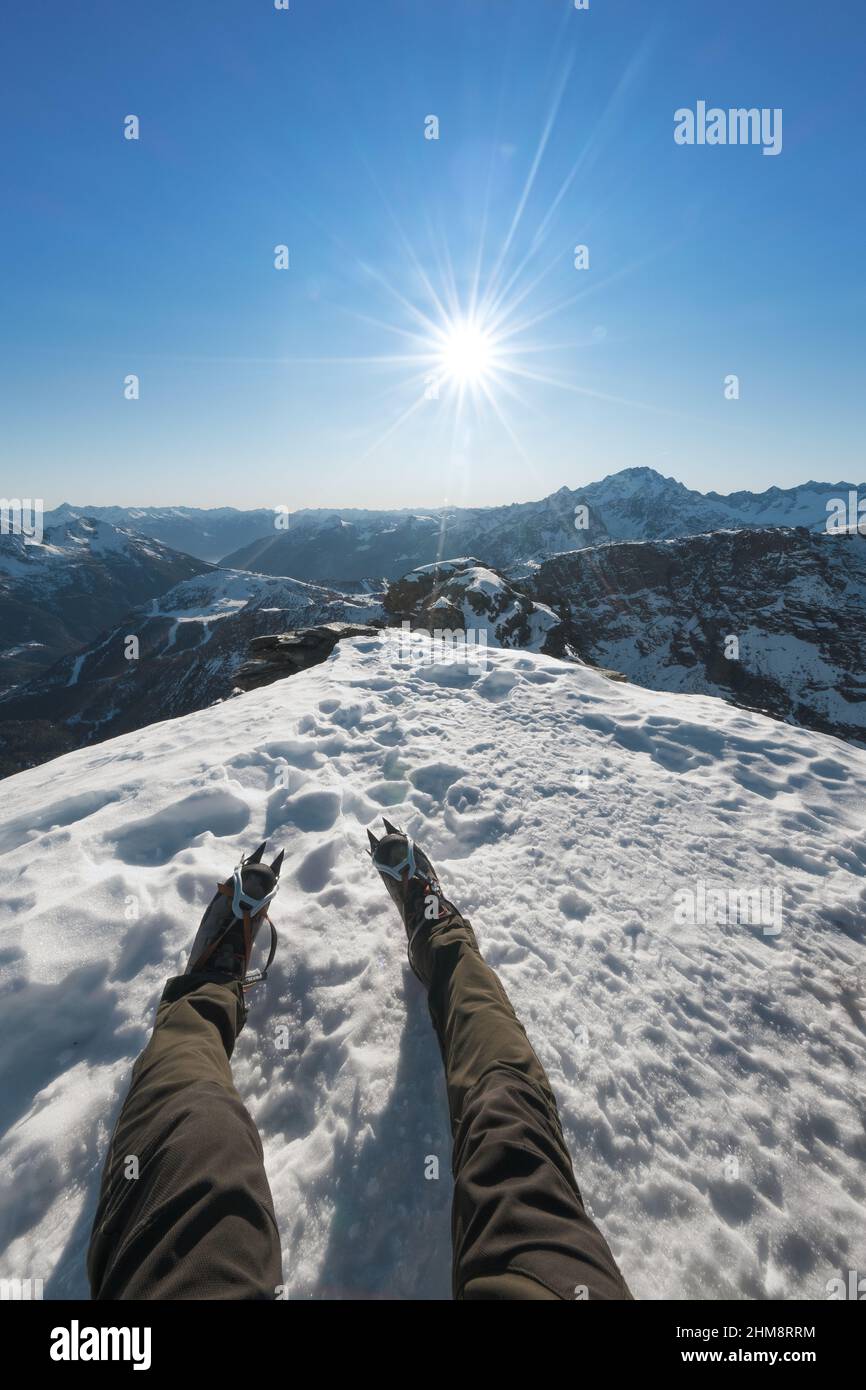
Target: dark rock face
(454, 595)
(85, 574)
(349, 546)
(663, 614)
(191, 641)
(275, 656)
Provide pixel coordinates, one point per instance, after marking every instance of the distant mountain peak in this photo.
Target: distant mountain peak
(640, 470)
(350, 546)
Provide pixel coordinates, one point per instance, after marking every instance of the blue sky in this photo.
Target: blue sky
(306, 128)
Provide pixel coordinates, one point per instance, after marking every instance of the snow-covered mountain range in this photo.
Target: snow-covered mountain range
(773, 619)
(208, 533)
(346, 546)
(58, 593)
(708, 1069)
(189, 642)
(634, 504)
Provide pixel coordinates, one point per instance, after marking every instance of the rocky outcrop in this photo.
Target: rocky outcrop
(188, 644)
(349, 545)
(57, 594)
(771, 619)
(277, 655)
(463, 595)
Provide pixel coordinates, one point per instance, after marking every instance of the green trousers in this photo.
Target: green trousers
(185, 1210)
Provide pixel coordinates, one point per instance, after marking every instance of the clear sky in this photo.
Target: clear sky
(420, 266)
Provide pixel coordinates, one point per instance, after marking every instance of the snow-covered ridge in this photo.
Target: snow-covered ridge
(222, 592)
(463, 596)
(772, 618)
(709, 1074)
(350, 544)
(57, 594)
(62, 546)
(191, 639)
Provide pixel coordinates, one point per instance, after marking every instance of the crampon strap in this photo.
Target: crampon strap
(255, 977)
(230, 890)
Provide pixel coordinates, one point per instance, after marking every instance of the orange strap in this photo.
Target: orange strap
(227, 889)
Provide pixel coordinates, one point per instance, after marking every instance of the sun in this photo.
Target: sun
(466, 353)
(473, 346)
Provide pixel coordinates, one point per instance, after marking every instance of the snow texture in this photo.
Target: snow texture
(709, 1076)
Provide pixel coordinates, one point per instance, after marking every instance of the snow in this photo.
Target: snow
(801, 668)
(540, 618)
(224, 593)
(439, 567)
(485, 581)
(797, 665)
(708, 1075)
(54, 561)
(76, 669)
(21, 647)
(542, 621)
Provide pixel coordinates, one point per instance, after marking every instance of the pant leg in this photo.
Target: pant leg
(519, 1227)
(197, 1221)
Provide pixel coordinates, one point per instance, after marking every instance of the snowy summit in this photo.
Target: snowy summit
(708, 1069)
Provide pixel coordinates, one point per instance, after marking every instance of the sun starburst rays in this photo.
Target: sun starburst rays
(474, 335)
(471, 353)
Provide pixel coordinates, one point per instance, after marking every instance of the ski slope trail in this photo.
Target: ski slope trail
(709, 1073)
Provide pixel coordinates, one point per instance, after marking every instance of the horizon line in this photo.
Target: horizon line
(449, 506)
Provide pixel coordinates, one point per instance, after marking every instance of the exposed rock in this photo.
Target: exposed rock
(465, 596)
(663, 613)
(277, 655)
(191, 642)
(351, 545)
(58, 594)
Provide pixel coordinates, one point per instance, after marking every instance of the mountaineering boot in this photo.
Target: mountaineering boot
(224, 941)
(413, 883)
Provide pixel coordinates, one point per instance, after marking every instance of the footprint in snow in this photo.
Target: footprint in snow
(157, 839)
(573, 906)
(388, 793)
(311, 811)
(498, 685)
(313, 873)
(62, 813)
(829, 769)
(435, 778)
(297, 752)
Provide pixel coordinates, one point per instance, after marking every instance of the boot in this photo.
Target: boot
(224, 941)
(414, 885)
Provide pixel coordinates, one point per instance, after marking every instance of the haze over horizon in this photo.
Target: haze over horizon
(426, 506)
